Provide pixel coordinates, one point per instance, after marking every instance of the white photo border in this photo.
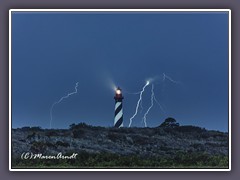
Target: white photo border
(118, 10)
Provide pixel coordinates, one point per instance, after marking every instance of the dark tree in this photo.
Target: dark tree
(77, 126)
(72, 126)
(169, 122)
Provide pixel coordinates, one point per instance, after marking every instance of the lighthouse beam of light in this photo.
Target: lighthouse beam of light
(138, 103)
(150, 107)
(60, 100)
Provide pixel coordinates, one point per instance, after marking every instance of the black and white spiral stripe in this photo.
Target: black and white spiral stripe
(118, 119)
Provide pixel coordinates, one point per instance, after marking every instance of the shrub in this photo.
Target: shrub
(30, 136)
(78, 133)
(116, 137)
(77, 126)
(63, 144)
(169, 122)
(194, 129)
(37, 128)
(38, 147)
(51, 133)
(140, 140)
(26, 128)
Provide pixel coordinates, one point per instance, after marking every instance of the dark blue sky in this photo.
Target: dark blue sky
(53, 51)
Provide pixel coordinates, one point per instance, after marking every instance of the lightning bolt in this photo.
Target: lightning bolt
(139, 100)
(150, 107)
(158, 103)
(136, 93)
(60, 100)
(170, 79)
(153, 98)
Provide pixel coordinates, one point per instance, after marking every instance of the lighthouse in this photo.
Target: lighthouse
(118, 118)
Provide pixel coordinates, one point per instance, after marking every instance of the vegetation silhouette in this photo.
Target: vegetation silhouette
(168, 145)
